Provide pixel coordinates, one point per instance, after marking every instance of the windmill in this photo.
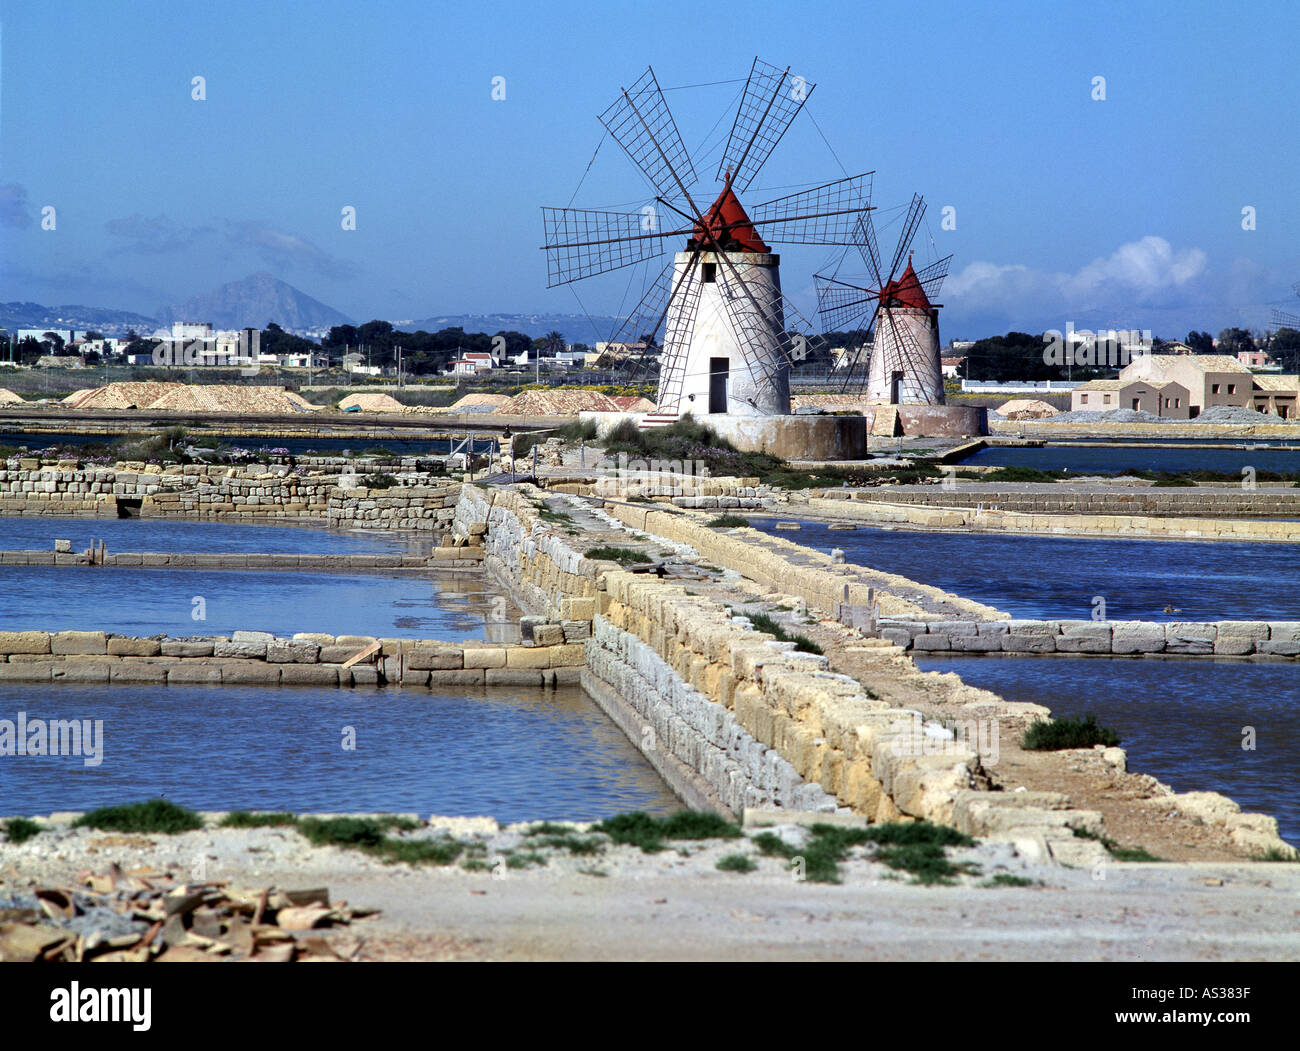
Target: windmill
(726, 345)
(902, 319)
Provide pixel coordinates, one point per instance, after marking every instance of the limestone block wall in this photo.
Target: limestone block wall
(313, 490)
(976, 518)
(696, 744)
(859, 750)
(777, 562)
(1223, 638)
(1263, 501)
(260, 658)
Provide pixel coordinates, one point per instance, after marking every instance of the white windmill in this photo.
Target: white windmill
(727, 347)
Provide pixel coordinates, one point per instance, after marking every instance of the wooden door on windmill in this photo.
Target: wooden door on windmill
(718, 370)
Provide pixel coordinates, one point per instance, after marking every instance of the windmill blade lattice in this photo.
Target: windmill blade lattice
(931, 278)
(915, 212)
(582, 243)
(641, 122)
(824, 215)
(771, 100)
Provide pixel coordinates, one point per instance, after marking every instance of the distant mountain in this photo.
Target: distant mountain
(80, 319)
(577, 328)
(253, 303)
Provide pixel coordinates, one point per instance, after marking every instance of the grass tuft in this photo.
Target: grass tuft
(617, 554)
(727, 522)
(639, 829)
(1070, 732)
(21, 829)
(737, 863)
(156, 815)
(259, 819)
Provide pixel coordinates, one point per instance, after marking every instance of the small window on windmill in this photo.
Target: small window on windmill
(709, 272)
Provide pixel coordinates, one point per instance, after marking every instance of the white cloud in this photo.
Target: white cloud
(1149, 272)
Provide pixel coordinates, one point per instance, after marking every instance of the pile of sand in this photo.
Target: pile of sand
(559, 403)
(231, 398)
(125, 395)
(372, 402)
(1026, 409)
(8, 397)
(74, 397)
(479, 403)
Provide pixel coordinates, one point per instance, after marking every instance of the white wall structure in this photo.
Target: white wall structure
(723, 337)
(904, 367)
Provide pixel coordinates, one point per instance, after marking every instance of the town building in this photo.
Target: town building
(1169, 398)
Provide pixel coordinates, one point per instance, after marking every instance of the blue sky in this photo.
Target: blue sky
(1123, 212)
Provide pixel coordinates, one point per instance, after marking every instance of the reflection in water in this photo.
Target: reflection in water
(510, 753)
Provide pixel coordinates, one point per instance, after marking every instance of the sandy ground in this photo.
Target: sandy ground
(622, 904)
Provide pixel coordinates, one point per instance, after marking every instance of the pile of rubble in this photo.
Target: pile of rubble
(143, 915)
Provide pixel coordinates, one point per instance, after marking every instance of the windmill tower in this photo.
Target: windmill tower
(902, 321)
(727, 347)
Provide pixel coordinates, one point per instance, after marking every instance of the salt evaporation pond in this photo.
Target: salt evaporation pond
(1109, 459)
(1180, 721)
(1059, 577)
(38, 533)
(509, 753)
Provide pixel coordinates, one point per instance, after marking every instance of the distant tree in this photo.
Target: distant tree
(275, 340)
(1200, 342)
(1234, 340)
(29, 349)
(53, 342)
(94, 335)
(516, 343)
(1285, 348)
(341, 336)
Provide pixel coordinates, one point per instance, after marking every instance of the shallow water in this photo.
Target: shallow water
(146, 602)
(1111, 460)
(509, 753)
(1180, 721)
(38, 533)
(1060, 577)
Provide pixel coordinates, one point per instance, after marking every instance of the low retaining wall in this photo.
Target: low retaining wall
(438, 558)
(1223, 638)
(795, 570)
(421, 502)
(976, 519)
(262, 659)
(1266, 501)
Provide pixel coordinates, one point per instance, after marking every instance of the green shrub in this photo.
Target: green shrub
(617, 554)
(156, 815)
(727, 522)
(21, 829)
(737, 863)
(245, 819)
(1070, 732)
(639, 829)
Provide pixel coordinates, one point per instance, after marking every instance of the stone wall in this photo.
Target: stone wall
(448, 557)
(974, 518)
(795, 570)
(323, 491)
(1264, 501)
(262, 659)
(1224, 638)
(696, 745)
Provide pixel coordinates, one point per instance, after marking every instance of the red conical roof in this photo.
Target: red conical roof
(729, 224)
(906, 291)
